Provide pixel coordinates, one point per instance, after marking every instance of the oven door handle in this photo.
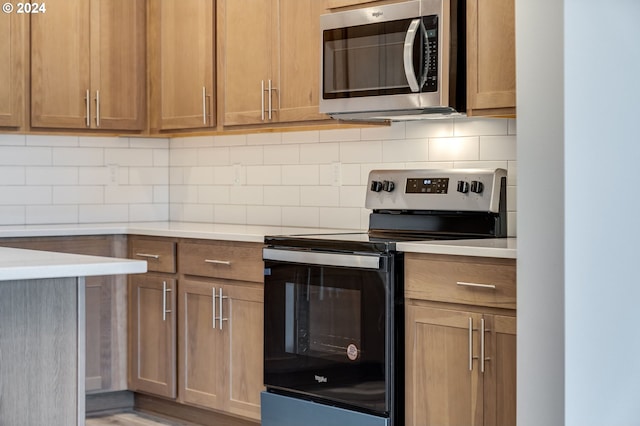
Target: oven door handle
(324, 259)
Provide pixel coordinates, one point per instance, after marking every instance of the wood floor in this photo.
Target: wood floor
(133, 419)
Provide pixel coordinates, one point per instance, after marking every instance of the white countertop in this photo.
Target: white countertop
(498, 247)
(19, 264)
(488, 247)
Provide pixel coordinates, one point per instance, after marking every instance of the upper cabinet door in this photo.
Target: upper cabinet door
(491, 53)
(250, 28)
(298, 98)
(88, 65)
(118, 64)
(13, 68)
(60, 50)
(181, 43)
(271, 60)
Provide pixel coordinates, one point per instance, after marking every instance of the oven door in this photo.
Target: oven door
(326, 321)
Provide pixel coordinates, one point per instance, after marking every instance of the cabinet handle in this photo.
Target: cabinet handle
(149, 256)
(97, 108)
(87, 101)
(221, 316)
(464, 284)
(213, 307)
(262, 100)
(470, 344)
(482, 345)
(269, 94)
(165, 311)
(483, 330)
(218, 262)
(204, 105)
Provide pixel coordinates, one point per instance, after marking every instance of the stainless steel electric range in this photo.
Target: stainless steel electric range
(333, 311)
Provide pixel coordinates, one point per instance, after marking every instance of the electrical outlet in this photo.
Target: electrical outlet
(113, 174)
(238, 174)
(336, 174)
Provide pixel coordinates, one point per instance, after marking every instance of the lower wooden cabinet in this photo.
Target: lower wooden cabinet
(220, 348)
(196, 331)
(460, 349)
(453, 378)
(152, 334)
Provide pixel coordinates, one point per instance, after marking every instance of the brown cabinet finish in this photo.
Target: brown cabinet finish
(221, 363)
(159, 254)
(181, 58)
(270, 72)
(460, 341)
(13, 68)
(222, 259)
(152, 334)
(218, 359)
(87, 65)
(470, 281)
(491, 57)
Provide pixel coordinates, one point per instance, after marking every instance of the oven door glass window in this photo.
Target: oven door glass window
(325, 333)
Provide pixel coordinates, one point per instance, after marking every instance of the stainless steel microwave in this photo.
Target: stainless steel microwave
(394, 62)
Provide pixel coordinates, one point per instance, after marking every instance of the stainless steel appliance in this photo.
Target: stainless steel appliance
(396, 61)
(333, 318)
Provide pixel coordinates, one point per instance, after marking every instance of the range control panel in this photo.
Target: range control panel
(455, 189)
(427, 186)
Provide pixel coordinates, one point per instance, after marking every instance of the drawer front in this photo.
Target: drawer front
(469, 281)
(222, 259)
(160, 255)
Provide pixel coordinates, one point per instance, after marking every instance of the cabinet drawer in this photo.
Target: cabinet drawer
(465, 280)
(222, 259)
(160, 255)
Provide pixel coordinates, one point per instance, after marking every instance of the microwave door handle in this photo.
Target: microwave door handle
(409, 41)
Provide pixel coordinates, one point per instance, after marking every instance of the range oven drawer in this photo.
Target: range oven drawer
(474, 281)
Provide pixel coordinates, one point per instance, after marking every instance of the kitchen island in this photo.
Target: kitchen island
(42, 333)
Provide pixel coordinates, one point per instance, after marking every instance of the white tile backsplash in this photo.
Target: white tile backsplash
(292, 178)
(319, 177)
(48, 179)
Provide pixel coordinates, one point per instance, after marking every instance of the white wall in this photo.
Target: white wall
(540, 88)
(70, 179)
(602, 283)
(290, 178)
(578, 287)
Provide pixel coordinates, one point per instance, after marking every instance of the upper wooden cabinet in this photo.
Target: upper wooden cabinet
(13, 68)
(491, 57)
(88, 65)
(270, 60)
(181, 61)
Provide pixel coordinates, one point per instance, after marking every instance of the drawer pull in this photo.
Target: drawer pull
(218, 262)
(464, 284)
(148, 256)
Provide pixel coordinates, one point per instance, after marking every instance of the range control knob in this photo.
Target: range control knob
(477, 186)
(388, 186)
(463, 186)
(376, 186)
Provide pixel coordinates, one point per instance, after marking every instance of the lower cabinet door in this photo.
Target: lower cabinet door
(152, 344)
(244, 368)
(443, 386)
(500, 371)
(201, 345)
(220, 345)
